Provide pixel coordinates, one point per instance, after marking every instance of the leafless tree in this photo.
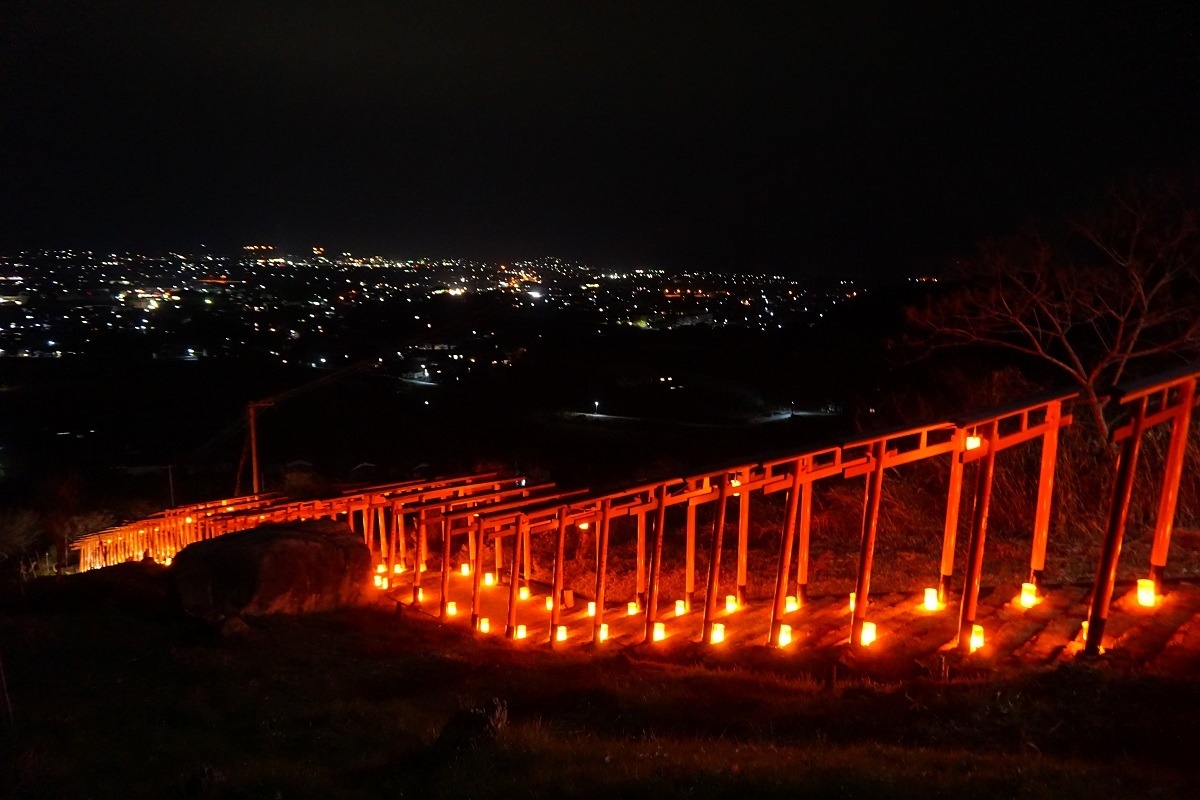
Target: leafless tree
(1113, 298)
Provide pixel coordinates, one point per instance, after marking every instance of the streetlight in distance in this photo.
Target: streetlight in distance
(597, 406)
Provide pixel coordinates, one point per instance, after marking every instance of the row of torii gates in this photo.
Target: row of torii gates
(507, 511)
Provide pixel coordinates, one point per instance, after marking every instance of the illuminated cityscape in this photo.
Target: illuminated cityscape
(307, 310)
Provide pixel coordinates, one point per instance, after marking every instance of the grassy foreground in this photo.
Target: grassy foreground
(108, 704)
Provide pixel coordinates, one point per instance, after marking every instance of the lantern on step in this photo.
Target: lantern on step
(976, 637)
(931, 600)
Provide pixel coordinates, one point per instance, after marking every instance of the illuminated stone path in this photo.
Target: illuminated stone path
(1165, 638)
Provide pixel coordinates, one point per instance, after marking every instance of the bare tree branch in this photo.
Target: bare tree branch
(1113, 299)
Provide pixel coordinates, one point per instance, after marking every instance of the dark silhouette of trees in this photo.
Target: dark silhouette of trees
(1110, 299)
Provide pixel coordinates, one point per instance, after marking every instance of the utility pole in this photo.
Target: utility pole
(252, 410)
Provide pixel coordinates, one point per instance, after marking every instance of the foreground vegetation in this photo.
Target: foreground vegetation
(110, 703)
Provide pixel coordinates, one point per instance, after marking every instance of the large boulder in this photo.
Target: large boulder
(278, 570)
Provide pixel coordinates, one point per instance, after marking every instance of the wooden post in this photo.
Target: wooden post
(983, 497)
(445, 563)
(470, 545)
(743, 543)
(399, 533)
(420, 558)
(423, 545)
(381, 526)
(514, 578)
(1106, 574)
(601, 568)
(714, 561)
(660, 518)
(1041, 516)
(950, 530)
(477, 574)
(785, 554)
(866, 556)
(689, 575)
(560, 547)
(805, 535)
(526, 557)
(641, 558)
(1176, 451)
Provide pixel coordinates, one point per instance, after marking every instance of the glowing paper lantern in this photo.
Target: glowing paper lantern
(1029, 596)
(632, 608)
(1146, 595)
(560, 633)
(592, 609)
(660, 631)
(583, 526)
(931, 600)
(976, 637)
(485, 625)
(791, 604)
(489, 579)
(451, 608)
(549, 603)
(868, 634)
(397, 568)
(520, 631)
(423, 568)
(974, 442)
(379, 581)
(785, 635)
(464, 568)
(604, 631)
(420, 592)
(382, 568)
(523, 593)
(718, 633)
(680, 608)
(852, 594)
(730, 602)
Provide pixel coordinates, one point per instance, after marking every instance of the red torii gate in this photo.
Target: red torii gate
(478, 504)
(977, 438)
(1155, 401)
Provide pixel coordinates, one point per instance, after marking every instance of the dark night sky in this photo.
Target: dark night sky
(623, 133)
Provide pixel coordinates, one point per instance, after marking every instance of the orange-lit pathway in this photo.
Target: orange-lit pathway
(910, 638)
